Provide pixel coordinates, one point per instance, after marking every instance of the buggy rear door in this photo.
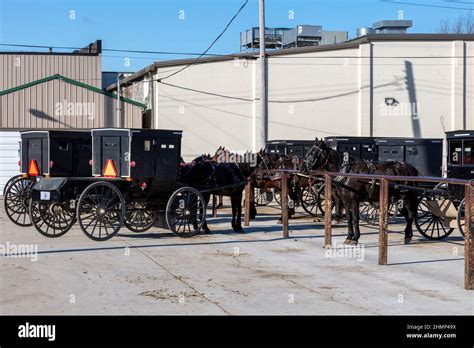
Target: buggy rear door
(391, 153)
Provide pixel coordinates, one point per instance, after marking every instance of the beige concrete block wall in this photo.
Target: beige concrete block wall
(208, 121)
(313, 94)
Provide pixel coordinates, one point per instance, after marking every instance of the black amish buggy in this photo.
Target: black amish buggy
(426, 155)
(441, 210)
(290, 148)
(134, 180)
(357, 147)
(45, 153)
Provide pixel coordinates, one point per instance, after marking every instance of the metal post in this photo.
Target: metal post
(284, 204)
(248, 188)
(469, 238)
(327, 211)
(262, 135)
(383, 221)
(214, 206)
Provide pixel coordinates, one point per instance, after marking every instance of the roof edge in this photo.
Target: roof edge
(350, 44)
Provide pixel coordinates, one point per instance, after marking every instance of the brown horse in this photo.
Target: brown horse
(271, 161)
(351, 191)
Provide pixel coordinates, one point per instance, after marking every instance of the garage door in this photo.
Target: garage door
(9, 156)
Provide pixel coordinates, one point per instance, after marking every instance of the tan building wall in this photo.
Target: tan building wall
(18, 69)
(62, 103)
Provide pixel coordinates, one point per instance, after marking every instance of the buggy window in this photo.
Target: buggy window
(468, 152)
(455, 152)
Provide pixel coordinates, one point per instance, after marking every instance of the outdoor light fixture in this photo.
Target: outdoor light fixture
(391, 102)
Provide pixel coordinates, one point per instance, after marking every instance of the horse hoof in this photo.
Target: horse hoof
(354, 242)
(347, 241)
(407, 241)
(206, 232)
(239, 230)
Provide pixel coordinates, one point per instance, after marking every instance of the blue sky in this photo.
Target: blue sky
(156, 24)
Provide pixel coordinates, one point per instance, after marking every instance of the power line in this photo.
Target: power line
(117, 50)
(205, 92)
(460, 2)
(212, 44)
(426, 5)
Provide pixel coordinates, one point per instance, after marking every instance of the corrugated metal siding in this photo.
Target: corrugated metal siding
(18, 69)
(9, 156)
(48, 105)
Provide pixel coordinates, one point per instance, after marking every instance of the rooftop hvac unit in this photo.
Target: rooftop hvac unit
(251, 37)
(303, 35)
(364, 31)
(392, 26)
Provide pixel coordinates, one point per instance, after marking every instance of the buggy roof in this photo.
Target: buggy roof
(460, 134)
(69, 133)
(407, 141)
(168, 133)
(290, 142)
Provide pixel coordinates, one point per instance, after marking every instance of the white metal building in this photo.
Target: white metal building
(407, 85)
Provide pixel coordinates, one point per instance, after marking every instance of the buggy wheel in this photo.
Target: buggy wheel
(9, 182)
(461, 220)
(277, 195)
(138, 218)
(52, 219)
(310, 199)
(17, 199)
(322, 200)
(370, 212)
(262, 196)
(101, 211)
(429, 225)
(186, 212)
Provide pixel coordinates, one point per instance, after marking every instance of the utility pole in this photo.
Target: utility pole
(117, 121)
(262, 133)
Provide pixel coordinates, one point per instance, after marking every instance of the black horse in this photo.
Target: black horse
(210, 177)
(350, 192)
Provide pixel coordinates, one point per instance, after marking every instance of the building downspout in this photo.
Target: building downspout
(151, 102)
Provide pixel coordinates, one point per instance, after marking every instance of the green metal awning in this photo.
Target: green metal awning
(72, 82)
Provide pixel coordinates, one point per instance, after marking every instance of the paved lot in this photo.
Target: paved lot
(225, 273)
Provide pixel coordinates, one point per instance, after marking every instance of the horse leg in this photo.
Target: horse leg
(350, 226)
(253, 211)
(205, 228)
(236, 199)
(292, 204)
(234, 211)
(355, 222)
(220, 205)
(410, 202)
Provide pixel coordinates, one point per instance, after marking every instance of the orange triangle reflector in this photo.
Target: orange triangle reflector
(109, 170)
(33, 169)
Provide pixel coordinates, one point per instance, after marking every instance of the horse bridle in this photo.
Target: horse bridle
(320, 154)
